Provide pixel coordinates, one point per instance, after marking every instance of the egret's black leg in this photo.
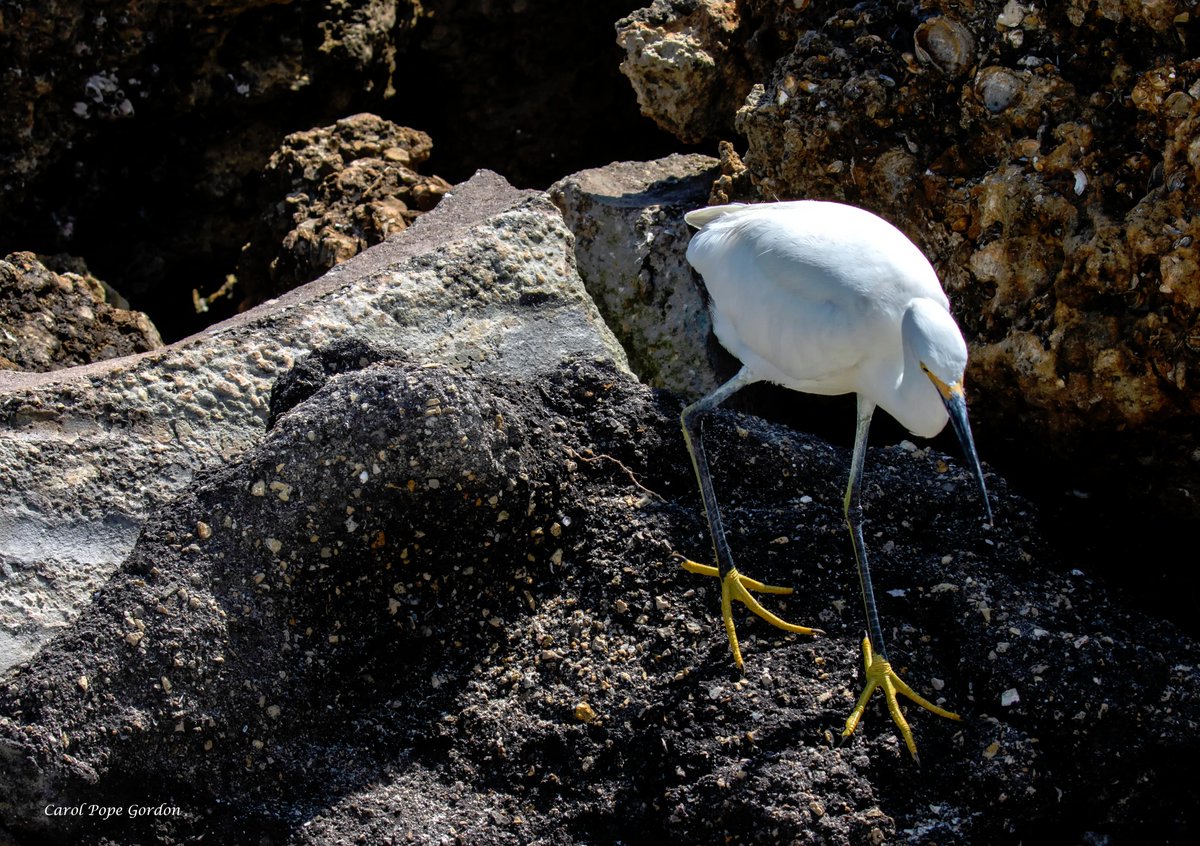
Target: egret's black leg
(852, 507)
(879, 672)
(692, 420)
(733, 584)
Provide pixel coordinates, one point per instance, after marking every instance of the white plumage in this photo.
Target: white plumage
(812, 295)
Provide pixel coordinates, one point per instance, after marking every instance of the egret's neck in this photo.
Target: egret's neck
(916, 404)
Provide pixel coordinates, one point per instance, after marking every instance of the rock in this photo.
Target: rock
(630, 240)
(52, 320)
(331, 193)
(683, 62)
(1055, 191)
(484, 283)
(398, 651)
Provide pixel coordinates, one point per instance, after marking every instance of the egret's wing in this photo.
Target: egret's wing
(791, 292)
(700, 217)
(819, 250)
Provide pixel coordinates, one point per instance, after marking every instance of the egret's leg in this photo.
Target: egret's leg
(733, 584)
(879, 673)
(852, 506)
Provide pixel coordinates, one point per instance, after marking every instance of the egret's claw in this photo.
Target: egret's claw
(736, 586)
(881, 675)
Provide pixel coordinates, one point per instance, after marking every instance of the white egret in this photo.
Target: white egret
(827, 298)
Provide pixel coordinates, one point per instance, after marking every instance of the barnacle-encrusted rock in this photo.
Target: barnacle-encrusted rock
(946, 44)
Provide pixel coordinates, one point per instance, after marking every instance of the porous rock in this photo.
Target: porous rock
(684, 62)
(52, 320)
(630, 241)
(464, 621)
(484, 283)
(330, 193)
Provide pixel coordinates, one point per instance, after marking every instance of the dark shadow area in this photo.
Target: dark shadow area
(160, 204)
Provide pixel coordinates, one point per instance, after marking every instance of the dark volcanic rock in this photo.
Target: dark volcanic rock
(52, 320)
(433, 607)
(331, 193)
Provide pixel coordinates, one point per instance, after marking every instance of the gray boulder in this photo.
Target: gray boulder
(486, 285)
(630, 240)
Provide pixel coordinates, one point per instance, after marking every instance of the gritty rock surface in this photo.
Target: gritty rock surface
(485, 283)
(464, 623)
(52, 320)
(333, 192)
(630, 241)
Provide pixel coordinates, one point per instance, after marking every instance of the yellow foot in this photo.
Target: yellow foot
(736, 586)
(881, 675)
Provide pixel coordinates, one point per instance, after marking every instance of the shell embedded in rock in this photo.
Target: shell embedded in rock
(998, 88)
(946, 44)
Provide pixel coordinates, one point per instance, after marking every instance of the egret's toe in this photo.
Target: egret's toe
(739, 587)
(880, 675)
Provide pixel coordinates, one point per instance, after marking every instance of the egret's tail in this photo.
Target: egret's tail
(700, 217)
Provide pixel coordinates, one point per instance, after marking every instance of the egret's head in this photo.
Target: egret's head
(933, 340)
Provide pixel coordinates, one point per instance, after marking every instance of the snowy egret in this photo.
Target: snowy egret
(827, 298)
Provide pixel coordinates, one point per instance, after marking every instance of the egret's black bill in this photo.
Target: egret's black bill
(956, 404)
